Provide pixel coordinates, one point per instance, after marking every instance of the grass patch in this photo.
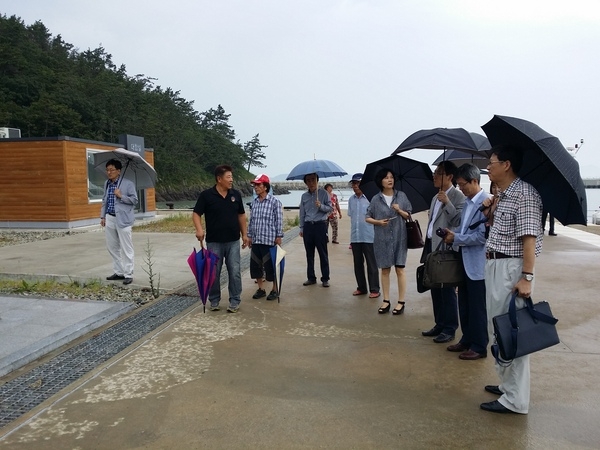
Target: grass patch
(173, 223)
(52, 288)
(182, 223)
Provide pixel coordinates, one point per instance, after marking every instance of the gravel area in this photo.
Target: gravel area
(109, 293)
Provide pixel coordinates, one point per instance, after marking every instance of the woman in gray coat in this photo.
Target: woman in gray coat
(388, 211)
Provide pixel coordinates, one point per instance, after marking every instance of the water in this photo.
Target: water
(292, 200)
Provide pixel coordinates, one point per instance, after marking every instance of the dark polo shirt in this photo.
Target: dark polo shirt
(221, 214)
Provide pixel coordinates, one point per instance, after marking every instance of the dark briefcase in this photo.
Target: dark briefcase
(523, 331)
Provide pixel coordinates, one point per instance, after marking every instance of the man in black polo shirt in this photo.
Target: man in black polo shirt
(225, 217)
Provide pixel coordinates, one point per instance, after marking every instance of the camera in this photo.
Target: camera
(441, 232)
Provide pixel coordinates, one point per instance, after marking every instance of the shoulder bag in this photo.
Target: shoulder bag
(414, 237)
(443, 268)
(520, 332)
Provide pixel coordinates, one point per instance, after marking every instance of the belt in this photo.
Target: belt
(315, 222)
(111, 214)
(496, 255)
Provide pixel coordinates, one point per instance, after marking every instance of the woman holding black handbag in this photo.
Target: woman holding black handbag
(388, 211)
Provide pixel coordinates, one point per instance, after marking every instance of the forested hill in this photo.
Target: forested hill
(50, 88)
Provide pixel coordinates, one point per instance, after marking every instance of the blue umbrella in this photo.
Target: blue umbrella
(322, 167)
(278, 258)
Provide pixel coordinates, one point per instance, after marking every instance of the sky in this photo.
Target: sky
(349, 80)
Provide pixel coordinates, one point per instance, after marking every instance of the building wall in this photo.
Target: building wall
(45, 182)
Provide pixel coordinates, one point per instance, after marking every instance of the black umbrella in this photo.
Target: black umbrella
(547, 166)
(414, 178)
(459, 158)
(442, 139)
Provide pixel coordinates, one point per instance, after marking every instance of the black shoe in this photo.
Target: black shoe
(493, 389)
(260, 293)
(496, 407)
(384, 309)
(114, 276)
(433, 332)
(325, 283)
(443, 338)
(552, 233)
(273, 295)
(309, 282)
(397, 312)
(128, 281)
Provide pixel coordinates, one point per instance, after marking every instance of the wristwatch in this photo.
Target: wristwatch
(528, 276)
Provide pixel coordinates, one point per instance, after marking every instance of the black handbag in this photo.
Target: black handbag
(523, 331)
(420, 286)
(414, 237)
(443, 268)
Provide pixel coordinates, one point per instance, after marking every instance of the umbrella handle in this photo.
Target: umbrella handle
(123, 174)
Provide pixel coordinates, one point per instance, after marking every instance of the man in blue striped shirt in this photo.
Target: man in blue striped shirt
(361, 239)
(265, 230)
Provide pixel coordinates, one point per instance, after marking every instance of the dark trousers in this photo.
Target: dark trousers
(473, 314)
(361, 252)
(545, 215)
(315, 237)
(445, 309)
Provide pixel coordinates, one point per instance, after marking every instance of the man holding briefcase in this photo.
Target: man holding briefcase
(514, 242)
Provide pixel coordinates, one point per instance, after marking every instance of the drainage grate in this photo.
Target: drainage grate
(27, 391)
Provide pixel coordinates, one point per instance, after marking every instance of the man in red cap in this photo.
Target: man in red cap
(265, 230)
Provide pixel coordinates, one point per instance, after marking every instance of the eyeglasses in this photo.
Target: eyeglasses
(112, 170)
(462, 185)
(495, 162)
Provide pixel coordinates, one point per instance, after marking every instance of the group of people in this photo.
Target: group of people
(498, 237)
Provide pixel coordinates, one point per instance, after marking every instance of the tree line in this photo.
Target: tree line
(50, 88)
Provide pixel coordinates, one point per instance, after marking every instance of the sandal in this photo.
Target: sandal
(397, 312)
(384, 309)
(358, 292)
(374, 295)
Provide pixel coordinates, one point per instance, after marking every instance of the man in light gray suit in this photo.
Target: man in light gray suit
(470, 239)
(445, 211)
(117, 216)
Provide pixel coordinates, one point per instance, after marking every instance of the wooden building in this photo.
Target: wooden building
(51, 183)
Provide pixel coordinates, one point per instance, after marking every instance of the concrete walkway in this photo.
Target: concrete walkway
(321, 369)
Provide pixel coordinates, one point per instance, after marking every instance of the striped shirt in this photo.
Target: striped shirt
(266, 220)
(360, 230)
(519, 214)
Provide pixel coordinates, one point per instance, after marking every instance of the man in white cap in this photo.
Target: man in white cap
(361, 241)
(265, 230)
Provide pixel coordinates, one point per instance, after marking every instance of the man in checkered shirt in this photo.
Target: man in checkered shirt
(514, 242)
(265, 230)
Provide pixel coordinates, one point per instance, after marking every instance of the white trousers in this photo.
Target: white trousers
(501, 276)
(119, 243)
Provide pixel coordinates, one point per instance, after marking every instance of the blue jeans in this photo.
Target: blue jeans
(230, 252)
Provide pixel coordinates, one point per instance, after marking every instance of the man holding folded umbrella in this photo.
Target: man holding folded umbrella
(225, 216)
(265, 230)
(514, 242)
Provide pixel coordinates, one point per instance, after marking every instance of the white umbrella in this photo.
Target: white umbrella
(135, 168)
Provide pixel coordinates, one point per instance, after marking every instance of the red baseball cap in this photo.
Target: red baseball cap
(261, 178)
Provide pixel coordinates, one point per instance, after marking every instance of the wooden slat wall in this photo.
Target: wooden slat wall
(46, 181)
(150, 193)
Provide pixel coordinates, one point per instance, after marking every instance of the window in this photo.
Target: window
(96, 178)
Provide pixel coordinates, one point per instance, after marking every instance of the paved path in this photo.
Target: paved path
(322, 369)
